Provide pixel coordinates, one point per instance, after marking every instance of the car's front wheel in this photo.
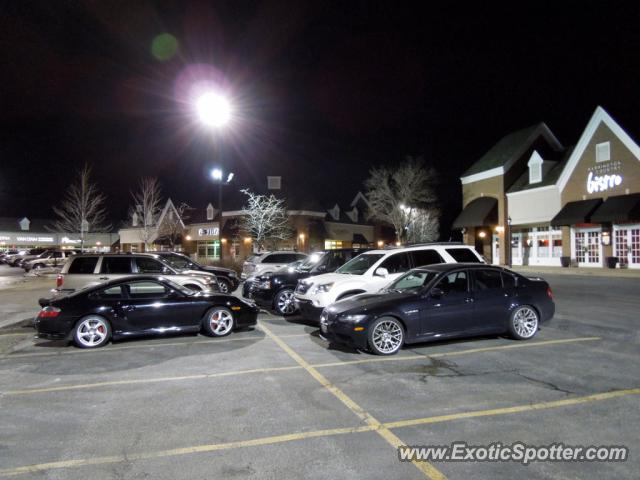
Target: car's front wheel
(284, 303)
(92, 331)
(386, 336)
(523, 323)
(218, 322)
(224, 286)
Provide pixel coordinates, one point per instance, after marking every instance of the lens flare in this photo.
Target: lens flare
(164, 46)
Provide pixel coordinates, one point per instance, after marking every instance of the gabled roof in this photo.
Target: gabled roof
(549, 178)
(509, 148)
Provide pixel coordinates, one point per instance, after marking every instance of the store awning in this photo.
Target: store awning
(481, 212)
(576, 212)
(621, 208)
(359, 238)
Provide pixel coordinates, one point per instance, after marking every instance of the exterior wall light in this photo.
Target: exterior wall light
(482, 234)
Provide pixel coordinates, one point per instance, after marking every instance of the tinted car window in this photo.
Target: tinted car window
(149, 265)
(455, 282)
(426, 257)
(508, 280)
(397, 263)
(488, 279)
(83, 265)
(110, 293)
(463, 255)
(335, 259)
(281, 258)
(57, 254)
(116, 265)
(360, 264)
(146, 289)
(414, 280)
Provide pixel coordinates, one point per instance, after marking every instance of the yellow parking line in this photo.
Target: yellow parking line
(429, 470)
(84, 386)
(378, 427)
(181, 451)
(516, 409)
(16, 334)
(60, 388)
(469, 351)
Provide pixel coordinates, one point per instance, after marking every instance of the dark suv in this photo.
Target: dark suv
(228, 279)
(275, 290)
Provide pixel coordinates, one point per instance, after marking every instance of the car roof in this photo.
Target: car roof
(445, 267)
(411, 248)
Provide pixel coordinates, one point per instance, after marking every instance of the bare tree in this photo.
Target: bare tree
(394, 193)
(146, 209)
(265, 219)
(424, 225)
(82, 210)
(172, 226)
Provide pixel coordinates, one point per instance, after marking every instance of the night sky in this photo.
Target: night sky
(322, 91)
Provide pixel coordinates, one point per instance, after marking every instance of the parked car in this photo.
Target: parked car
(4, 255)
(8, 259)
(275, 290)
(372, 270)
(86, 270)
(228, 279)
(439, 302)
(266, 262)
(16, 260)
(53, 258)
(33, 254)
(144, 305)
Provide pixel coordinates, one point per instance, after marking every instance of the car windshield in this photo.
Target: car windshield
(412, 281)
(254, 258)
(360, 264)
(311, 261)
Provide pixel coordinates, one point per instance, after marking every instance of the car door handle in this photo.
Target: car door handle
(104, 278)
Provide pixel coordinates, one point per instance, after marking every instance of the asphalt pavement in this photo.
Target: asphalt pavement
(278, 402)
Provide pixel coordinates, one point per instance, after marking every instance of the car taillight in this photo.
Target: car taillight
(59, 281)
(49, 312)
(550, 293)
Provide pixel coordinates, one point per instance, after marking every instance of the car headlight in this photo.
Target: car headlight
(233, 274)
(353, 318)
(322, 288)
(264, 285)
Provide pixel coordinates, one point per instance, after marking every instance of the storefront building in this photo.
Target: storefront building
(556, 205)
(24, 233)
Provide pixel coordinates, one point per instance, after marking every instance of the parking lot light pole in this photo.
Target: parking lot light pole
(508, 242)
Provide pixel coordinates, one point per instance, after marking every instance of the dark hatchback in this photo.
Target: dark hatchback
(228, 279)
(141, 305)
(440, 302)
(275, 290)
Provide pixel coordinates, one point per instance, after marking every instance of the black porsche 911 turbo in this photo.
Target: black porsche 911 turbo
(142, 305)
(440, 302)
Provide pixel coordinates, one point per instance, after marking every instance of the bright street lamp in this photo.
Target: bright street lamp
(213, 109)
(216, 174)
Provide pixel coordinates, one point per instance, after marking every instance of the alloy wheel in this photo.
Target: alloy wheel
(223, 286)
(221, 322)
(525, 322)
(92, 332)
(285, 303)
(387, 336)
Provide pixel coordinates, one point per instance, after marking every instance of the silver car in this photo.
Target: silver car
(86, 270)
(51, 258)
(268, 262)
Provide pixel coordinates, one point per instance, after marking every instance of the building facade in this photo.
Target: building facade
(557, 205)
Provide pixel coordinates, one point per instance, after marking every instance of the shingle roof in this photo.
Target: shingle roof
(503, 151)
(551, 177)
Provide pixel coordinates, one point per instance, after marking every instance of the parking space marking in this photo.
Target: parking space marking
(182, 451)
(85, 386)
(15, 334)
(276, 439)
(460, 352)
(516, 409)
(429, 470)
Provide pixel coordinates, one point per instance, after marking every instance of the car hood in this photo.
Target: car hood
(332, 278)
(368, 301)
(217, 269)
(196, 273)
(284, 276)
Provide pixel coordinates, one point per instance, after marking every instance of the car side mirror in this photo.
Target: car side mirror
(436, 292)
(165, 270)
(382, 272)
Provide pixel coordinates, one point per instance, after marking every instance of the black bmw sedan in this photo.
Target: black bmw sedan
(440, 302)
(142, 305)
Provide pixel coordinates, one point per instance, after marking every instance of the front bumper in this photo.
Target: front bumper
(308, 310)
(343, 333)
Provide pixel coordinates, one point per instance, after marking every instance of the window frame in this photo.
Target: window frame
(475, 279)
(396, 254)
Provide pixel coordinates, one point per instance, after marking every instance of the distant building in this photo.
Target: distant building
(556, 205)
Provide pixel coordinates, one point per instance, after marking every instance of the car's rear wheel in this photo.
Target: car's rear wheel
(218, 322)
(38, 266)
(92, 331)
(523, 323)
(386, 336)
(224, 286)
(284, 303)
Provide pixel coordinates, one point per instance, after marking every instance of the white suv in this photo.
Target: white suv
(373, 270)
(268, 262)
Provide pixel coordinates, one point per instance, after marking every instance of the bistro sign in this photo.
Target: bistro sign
(209, 232)
(597, 183)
